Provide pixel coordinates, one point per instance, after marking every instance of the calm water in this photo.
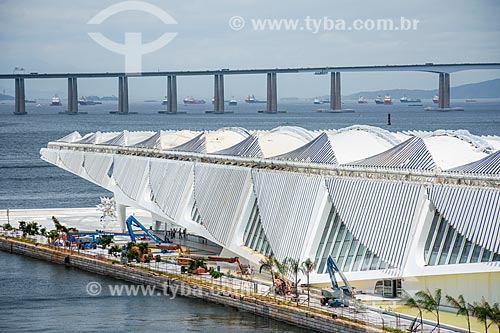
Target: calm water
(37, 296)
(42, 297)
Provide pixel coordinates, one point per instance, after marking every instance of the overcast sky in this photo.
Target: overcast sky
(52, 36)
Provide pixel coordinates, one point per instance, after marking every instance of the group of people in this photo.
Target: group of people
(182, 234)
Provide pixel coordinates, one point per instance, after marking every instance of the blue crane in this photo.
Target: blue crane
(337, 297)
(131, 220)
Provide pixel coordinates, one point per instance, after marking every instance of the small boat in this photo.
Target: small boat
(387, 100)
(252, 99)
(191, 100)
(379, 100)
(317, 101)
(435, 99)
(56, 101)
(29, 101)
(38, 105)
(362, 100)
(405, 99)
(470, 100)
(164, 101)
(232, 101)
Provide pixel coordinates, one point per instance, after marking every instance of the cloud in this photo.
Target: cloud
(52, 36)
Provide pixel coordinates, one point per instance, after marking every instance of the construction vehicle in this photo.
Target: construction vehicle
(130, 221)
(171, 247)
(243, 269)
(339, 295)
(86, 242)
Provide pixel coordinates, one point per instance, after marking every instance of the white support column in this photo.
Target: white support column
(121, 212)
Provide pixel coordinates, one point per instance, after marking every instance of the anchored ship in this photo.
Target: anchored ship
(405, 99)
(362, 100)
(379, 100)
(387, 100)
(252, 99)
(191, 100)
(56, 101)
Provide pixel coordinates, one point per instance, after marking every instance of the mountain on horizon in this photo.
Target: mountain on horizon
(6, 97)
(485, 89)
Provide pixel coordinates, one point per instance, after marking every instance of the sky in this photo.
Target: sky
(53, 36)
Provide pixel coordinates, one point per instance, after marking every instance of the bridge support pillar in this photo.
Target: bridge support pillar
(121, 214)
(72, 95)
(122, 95)
(444, 90)
(171, 94)
(272, 93)
(218, 93)
(20, 100)
(335, 91)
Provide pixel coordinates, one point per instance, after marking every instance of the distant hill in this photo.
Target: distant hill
(6, 98)
(486, 89)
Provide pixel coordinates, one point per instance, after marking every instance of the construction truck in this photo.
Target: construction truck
(338, 295)
(185, 260)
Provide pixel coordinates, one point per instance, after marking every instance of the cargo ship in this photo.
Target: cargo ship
(362, 100)
(252, 99)
(405, 99)
(191, 100)
(84, 101)
(387, 100)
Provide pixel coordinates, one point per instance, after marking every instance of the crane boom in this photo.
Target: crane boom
(332, 269)
(131, 220)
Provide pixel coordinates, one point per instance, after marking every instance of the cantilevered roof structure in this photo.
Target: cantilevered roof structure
(405, 208)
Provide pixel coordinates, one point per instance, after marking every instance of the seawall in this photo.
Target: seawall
(285, 313)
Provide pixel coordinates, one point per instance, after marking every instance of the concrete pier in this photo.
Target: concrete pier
(218, 101)
(72, 96)
(444, 90)
(171, 96)
(444, 95)
(272, 95)
(190, 287)
(335, 89)
(123, 96)
(335, 95)
(20, 107)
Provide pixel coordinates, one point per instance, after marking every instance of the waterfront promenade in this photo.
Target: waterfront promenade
(242, 289)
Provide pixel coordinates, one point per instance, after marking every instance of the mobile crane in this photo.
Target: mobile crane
(339, 295)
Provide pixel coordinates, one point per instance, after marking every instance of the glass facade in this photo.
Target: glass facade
(347, 251)
(445, 246)
(254, 236)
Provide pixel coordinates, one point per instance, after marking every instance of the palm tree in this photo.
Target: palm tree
(495, 315)
(461, 306)
(482, 311)
(308, 266)
(430, 302)
(412, 303)
(268, 264)
(294, 267)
